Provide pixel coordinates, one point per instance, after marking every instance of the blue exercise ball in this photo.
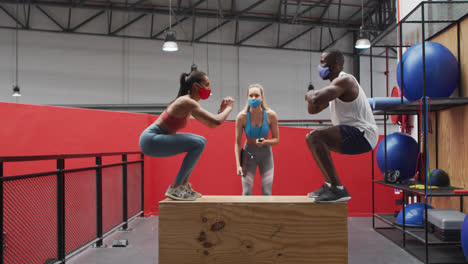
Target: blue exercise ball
(402, 155)
(414, 215)
(439, 177)
(464, 237)
(442, 71)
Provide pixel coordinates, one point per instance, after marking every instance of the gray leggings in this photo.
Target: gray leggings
(263, 158)
(155, 142)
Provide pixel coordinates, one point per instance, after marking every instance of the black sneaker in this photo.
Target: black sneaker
(318, 192)
(333, 195)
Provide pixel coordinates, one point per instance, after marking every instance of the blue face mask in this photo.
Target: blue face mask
(323, 72)
(254, 102)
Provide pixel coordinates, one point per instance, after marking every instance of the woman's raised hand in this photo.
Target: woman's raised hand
(227, 102)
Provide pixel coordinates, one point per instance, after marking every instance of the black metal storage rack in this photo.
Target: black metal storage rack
(431, 18)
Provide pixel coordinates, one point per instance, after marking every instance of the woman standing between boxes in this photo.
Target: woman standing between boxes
(161, 140)
(256, 119)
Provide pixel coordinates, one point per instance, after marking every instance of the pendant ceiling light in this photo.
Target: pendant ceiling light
(16, 89)
(170, 44)
(362, 42)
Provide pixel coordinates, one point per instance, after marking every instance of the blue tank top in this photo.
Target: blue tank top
(257, 132)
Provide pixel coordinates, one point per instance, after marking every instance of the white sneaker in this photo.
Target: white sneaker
(188, 188)
(179, 193)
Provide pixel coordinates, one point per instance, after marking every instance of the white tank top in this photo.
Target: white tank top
(356, 113)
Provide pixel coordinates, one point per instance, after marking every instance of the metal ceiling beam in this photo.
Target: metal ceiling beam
(12, 16)
(254, 33)
(278, 15)
(201, 13)
(212, 30)
(51, 18)
(229, 20)
(109, 21)
(299, 4)
(339, 11)
(318, 4)
(323, 14)
(378, 12)
(309, 29)
(236, 30)
(295, 37)
(359, 10)
(87, 20)
(336, 40)
(79, 3)
(192, 10)
(128, 24)
(194, 18)
(136, 4)
(369, 14)
(28, 13)
(187, 41)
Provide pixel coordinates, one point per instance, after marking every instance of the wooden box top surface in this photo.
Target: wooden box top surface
(253, 199)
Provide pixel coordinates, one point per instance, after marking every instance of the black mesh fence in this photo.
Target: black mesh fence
(111, 197)
(30, 220)
(38, 226)
(80, 209)
(134, 189)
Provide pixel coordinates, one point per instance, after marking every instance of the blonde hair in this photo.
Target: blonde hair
(260, 87)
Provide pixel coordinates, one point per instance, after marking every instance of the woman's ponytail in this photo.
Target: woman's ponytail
(184, 89)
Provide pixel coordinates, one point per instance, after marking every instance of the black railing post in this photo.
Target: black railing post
(99, 201)
(372, 155)
(142, 174)
(2, 238)
(461, 203)
(124, 193)
(373, 189)
(404, 218)
(60, 209)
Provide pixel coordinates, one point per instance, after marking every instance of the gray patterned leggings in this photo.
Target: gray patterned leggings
(263, 158)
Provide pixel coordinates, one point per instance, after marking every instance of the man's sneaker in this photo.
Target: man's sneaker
(188, 189)
(332, 195)
(179, 193)
(318, 192)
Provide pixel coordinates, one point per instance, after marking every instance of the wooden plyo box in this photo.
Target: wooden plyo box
(252, 229)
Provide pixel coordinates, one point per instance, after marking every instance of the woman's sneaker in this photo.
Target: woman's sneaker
(179, 193)
(188, 189)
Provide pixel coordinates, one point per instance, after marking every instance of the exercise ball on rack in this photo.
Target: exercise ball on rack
(439, 177)
(442, 71)
(402, 155)
(464, 237)
(414, 215)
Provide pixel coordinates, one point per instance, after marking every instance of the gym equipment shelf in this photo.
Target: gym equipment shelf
(429, 19)
(440, 192)
(415, 232)
(442, 253)
(436, 104)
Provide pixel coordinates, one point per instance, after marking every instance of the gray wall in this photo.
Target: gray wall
(81, 69)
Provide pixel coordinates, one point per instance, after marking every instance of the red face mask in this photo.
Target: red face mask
(204, 93)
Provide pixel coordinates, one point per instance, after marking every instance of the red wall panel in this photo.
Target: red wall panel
(41, 130)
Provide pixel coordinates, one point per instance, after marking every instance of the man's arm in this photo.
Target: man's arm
(318, 99)
(315, 109)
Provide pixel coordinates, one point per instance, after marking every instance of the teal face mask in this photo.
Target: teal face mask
(254, 103)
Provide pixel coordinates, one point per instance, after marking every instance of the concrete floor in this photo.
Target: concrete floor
(365, 246)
